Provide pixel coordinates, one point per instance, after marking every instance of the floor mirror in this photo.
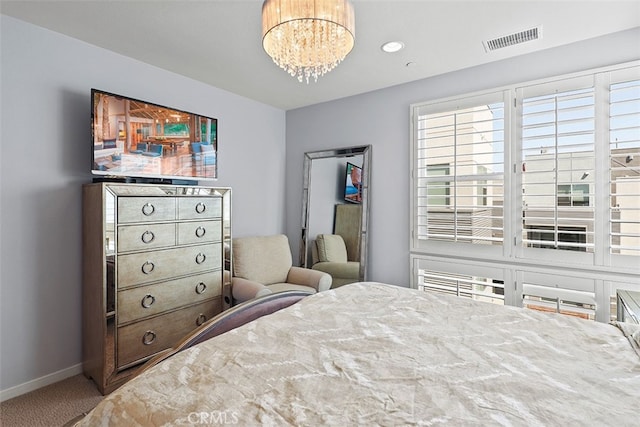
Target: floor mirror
(335, 202)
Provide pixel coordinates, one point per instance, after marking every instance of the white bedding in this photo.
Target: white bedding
(376, 354)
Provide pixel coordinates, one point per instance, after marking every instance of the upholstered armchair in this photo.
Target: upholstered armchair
(155, 150)
(141, 147)
(208, 154)
(329, 254)
(263, 265)
(195, 148)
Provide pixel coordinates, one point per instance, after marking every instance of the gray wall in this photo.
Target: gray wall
(45, 158)
(381, 118)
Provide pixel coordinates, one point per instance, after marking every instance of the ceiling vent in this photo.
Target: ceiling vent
(513, 39)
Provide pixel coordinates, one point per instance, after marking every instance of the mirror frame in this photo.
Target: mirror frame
(365, 151)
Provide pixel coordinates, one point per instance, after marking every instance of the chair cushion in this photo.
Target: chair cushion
(340, 270)
(331, 248)
(264, 259)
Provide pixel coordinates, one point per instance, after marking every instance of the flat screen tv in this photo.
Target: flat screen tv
(353, 183)
(144, 141)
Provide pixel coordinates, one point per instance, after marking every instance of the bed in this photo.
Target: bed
(376, 354)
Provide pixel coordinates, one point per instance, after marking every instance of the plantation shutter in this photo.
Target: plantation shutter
(624, 144)
(558, 165)
(478, 283)
(459, 171)
(559, 294)
(530, 195)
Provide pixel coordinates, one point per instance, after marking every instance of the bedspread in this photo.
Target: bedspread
(377, 354)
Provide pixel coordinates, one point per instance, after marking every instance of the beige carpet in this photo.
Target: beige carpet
(55, 405)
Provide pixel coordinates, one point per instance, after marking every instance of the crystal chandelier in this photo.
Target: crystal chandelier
(307, 38)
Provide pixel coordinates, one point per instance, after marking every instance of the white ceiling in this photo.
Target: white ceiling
(219, 42)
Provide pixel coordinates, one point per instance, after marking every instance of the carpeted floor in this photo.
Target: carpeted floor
(58, 404)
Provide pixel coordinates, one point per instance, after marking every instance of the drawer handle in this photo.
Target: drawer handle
(148, 267)
(200, 231)
(148, 236)
(200, 288)
(200, 258)
(201, 207)
(148, 337)
(201, 319)
(148, 300)
(148, 209)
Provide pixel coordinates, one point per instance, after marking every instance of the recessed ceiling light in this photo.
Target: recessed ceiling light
(393, 46)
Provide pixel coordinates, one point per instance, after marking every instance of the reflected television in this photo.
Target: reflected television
(142, 141)
(353, 183)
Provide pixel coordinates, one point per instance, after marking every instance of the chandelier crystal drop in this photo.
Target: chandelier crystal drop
(307, 38)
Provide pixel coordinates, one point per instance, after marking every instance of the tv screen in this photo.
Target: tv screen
(353, 184)
(138, 139)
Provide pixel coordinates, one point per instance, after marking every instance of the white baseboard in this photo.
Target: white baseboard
(40, 382)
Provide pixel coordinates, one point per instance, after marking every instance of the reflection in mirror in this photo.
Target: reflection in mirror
(335, 212)
(628, 306)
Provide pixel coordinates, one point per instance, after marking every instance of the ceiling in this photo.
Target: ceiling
(219, 42)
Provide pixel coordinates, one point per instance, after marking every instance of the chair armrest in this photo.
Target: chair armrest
(244, 290)
(318, 280)
(342, 270)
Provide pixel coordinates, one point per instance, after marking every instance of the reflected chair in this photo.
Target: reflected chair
(263, 265)
(155, 150)
(141, 147)
(195, 148)
(208, 154)
(329, 254)
(110, 143)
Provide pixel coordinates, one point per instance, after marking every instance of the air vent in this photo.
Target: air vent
(513, 39)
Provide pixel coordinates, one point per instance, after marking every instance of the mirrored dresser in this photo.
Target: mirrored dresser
(156, 266)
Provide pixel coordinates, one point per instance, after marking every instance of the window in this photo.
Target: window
(572, 238)
(558, 143)
(438, 192)
(624, 141)
(573, 194)
(478, 288)
(478, 283)
(172, 129)
(460, 169)
(572, 303)
(529, 180)
(573, 296)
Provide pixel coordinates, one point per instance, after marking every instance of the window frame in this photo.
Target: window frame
(559, 84)
(600, 272)
(572, 196)
(451, 104)
(619, 261)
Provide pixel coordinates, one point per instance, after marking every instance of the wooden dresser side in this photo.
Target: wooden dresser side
(94, 305)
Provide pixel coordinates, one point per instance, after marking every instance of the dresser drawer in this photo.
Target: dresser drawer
(143, 339)
(144, 209)
(146, 236)
(145, 301)
(199, 232)
(140, 268)
(199, 207)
